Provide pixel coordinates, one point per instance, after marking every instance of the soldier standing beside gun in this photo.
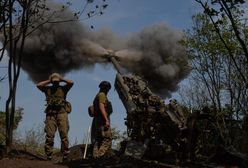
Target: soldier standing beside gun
(56, 112)
(178, 112)
(102, 110)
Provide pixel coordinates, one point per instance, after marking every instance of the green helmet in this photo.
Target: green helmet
(105, 85)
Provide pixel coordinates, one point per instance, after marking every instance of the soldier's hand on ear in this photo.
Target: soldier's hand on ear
(50, 78)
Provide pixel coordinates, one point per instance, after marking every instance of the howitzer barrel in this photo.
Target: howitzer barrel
(115, 63)
(120, 86)
(147, 115)
(123, 92)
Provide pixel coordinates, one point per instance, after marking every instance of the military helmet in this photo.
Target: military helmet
(55, 77)
(105, 85)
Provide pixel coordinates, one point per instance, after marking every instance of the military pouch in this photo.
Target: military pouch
(109, 108)
(91, 111)
(68, 107)
(52, 109)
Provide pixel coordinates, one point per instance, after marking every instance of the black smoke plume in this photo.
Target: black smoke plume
(59, 45)
(154, 53)
(159, 58)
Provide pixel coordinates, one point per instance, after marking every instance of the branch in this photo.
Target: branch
(223, 41)
(235, 28)
(3, 78)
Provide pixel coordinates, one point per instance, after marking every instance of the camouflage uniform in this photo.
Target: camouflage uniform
(103, 135)
(177, 112)
(56, 117)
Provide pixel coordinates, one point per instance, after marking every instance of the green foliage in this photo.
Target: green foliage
(212, 64)
(17, 119)
(215, 45)
(34, 139)
(211, 133)
(235, 15)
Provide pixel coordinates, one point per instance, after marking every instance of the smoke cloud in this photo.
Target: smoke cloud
(153, 53)
(162, 61)
(59, 46)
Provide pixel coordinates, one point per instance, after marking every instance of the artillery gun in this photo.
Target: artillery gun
(148, 117)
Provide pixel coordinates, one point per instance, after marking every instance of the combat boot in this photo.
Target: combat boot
(65, 158)
(49, 157)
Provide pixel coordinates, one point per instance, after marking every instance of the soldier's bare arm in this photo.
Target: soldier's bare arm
(104, 114)
(41, 85)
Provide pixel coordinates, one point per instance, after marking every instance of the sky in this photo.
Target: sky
(123, 17)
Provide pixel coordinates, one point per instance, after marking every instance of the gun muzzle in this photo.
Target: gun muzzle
(111, 57)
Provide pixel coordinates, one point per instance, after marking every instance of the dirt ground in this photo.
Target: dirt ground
(28, 159)
(26, 163)
(87, 163)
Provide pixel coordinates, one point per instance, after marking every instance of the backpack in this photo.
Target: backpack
(67, 107)
(91, 111)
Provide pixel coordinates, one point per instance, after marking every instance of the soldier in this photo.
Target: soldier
(103, 109)
(178, 111)
(56, 112)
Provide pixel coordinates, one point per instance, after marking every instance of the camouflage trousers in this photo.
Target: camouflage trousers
(53, 122)
(103, 142)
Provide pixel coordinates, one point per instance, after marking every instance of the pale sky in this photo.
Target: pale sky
(122, 17)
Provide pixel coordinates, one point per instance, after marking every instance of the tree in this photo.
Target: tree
(14, 33)
(219, 70)
(17, 120)
(230, 10)
(18, 19)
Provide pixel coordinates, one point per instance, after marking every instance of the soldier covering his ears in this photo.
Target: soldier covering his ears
(56, 112)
